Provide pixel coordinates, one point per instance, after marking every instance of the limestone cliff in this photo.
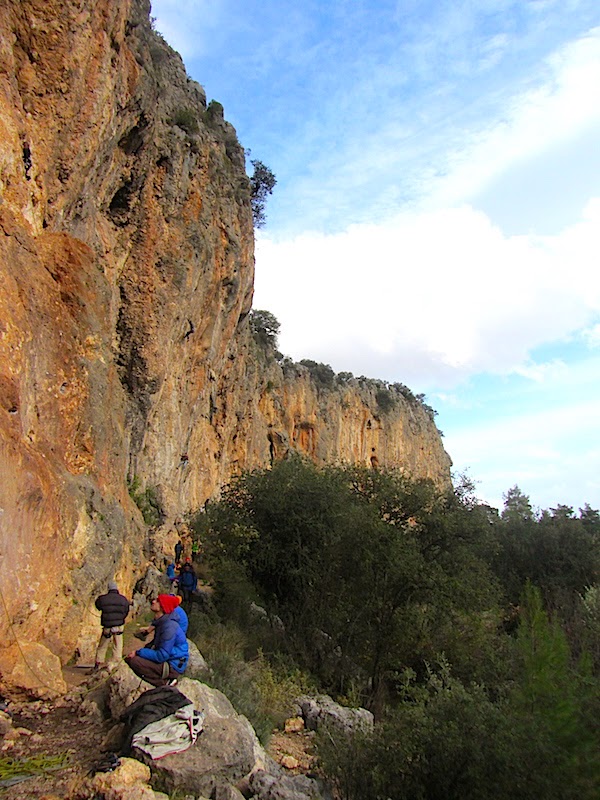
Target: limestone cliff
(125, 353)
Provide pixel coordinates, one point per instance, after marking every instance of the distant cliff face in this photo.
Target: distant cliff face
(125, 352)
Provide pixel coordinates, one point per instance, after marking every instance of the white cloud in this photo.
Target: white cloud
(430, 297)
(592, 336)
(565, 102)
(379, 145)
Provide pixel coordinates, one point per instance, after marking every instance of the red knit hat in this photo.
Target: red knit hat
(168, 602)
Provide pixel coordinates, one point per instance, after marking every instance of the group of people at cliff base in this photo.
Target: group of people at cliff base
(185, 581)
(162, 660)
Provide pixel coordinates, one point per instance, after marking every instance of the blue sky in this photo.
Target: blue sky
(437, 215)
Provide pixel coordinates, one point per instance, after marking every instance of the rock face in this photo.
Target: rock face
(126, 267)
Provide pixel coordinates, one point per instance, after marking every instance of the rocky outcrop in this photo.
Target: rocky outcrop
(127, 366)
(226, 757)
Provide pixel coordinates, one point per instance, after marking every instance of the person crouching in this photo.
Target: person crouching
(162, 661)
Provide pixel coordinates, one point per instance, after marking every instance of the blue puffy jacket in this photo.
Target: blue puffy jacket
(179, 615)
(169, 644)
(181, 618)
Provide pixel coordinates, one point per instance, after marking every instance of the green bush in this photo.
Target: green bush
(147, 501)
(187, 120)
(322, 374)
(265, 328)
(385, 400)
(361, 565)
(261, 689)
(453, 741)
(262, 183)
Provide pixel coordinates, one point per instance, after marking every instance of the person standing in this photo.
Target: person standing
(195, 551)
(178, 551)
(166, 657)
(187, 582)
(114, 608)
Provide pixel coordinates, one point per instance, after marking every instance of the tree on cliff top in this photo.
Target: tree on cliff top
(265, 327)
(262, 184)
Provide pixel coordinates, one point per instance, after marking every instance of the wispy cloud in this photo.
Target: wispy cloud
(435, 148)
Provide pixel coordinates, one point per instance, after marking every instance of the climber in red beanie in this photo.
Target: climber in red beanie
(165, 658)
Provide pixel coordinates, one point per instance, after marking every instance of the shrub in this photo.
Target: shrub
(385, 400)
(452, 741)
(186, 119)
(261, 689)
(322, 374)
(147, 501)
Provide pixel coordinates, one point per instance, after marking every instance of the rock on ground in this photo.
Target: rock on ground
(32, 668)
(322, 710)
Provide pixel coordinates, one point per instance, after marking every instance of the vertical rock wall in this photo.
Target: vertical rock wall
(126, 275)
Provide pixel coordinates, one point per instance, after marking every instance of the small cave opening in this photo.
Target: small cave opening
(120, 204)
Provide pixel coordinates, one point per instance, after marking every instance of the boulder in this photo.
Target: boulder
(32, 668)
(223, 754)
(197, 666)
(226, 751)
(124, 688)
(321, 710)
(266, 786)
(129, 781)
(211, 701)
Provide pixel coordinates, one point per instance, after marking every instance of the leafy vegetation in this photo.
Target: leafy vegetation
(260, 689)
(322, 374)
(262, 183)
(265, 328)
(385, 400)
(147, 501)
(472, 636)
(187, 120)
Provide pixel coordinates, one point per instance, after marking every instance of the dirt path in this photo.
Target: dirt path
(61, 729)
(58, 730)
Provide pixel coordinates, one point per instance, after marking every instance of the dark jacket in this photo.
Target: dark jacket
(114, 608)
(169, 644)
(152, 705)
(187, 579)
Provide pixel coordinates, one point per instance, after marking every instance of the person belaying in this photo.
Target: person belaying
(114, 608)
(178, 550)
